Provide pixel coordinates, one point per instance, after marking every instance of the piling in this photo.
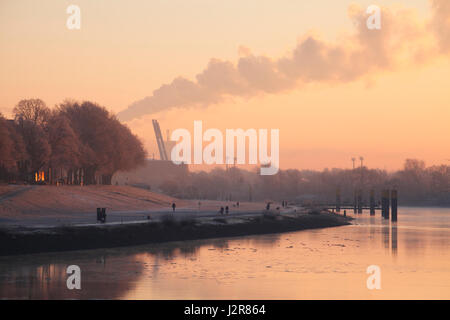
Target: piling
(360, 208)
(355, 200)
(372, 202)
(385, 203)
(394, 205)
(338, 200)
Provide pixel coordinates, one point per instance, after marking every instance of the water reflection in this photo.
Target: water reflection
(43, 276)
(325, 263)
(385, 232)
(394, 238)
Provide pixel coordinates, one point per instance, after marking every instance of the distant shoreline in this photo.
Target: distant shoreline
(39, 240)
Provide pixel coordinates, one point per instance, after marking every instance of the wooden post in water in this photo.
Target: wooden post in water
(386, 203)
(360, 201)
(372, 202)
(394, 205)
(338, 200)
(383, 203)
(355, 200)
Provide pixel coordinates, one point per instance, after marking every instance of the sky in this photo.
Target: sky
(383, 96)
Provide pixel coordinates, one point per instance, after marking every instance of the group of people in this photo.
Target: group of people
(284, 204)
(227, 210)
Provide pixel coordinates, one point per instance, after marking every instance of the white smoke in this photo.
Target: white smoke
(403, 39)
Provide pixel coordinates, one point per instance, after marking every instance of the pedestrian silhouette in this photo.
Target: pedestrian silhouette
(174, 206)
(221, 210)
(226, 209)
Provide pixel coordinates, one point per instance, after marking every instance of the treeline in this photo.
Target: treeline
(416, 184)
(74, 143)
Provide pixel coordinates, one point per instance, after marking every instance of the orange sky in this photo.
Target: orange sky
(124, 52)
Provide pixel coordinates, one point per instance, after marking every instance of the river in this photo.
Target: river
(413, 257)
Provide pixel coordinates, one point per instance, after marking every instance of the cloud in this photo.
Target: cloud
(402, 40)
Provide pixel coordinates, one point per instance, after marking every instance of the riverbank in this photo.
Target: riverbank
(24, 240)
(39, 206)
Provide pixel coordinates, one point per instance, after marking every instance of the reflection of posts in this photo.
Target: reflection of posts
(394, 205)
(394, 239)
(385, 231)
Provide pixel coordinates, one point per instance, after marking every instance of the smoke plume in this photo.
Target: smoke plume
(402, 40)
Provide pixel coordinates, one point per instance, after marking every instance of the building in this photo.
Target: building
(152, 174)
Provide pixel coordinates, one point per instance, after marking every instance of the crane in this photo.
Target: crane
(159, 140)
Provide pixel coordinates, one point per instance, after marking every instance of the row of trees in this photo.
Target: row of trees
(416, 184)
(74, 143)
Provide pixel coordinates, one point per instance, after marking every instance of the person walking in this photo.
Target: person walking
(174, 206)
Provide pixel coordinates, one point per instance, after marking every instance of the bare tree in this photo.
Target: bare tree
(34, 110)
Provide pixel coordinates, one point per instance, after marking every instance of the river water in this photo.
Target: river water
(413, 257)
